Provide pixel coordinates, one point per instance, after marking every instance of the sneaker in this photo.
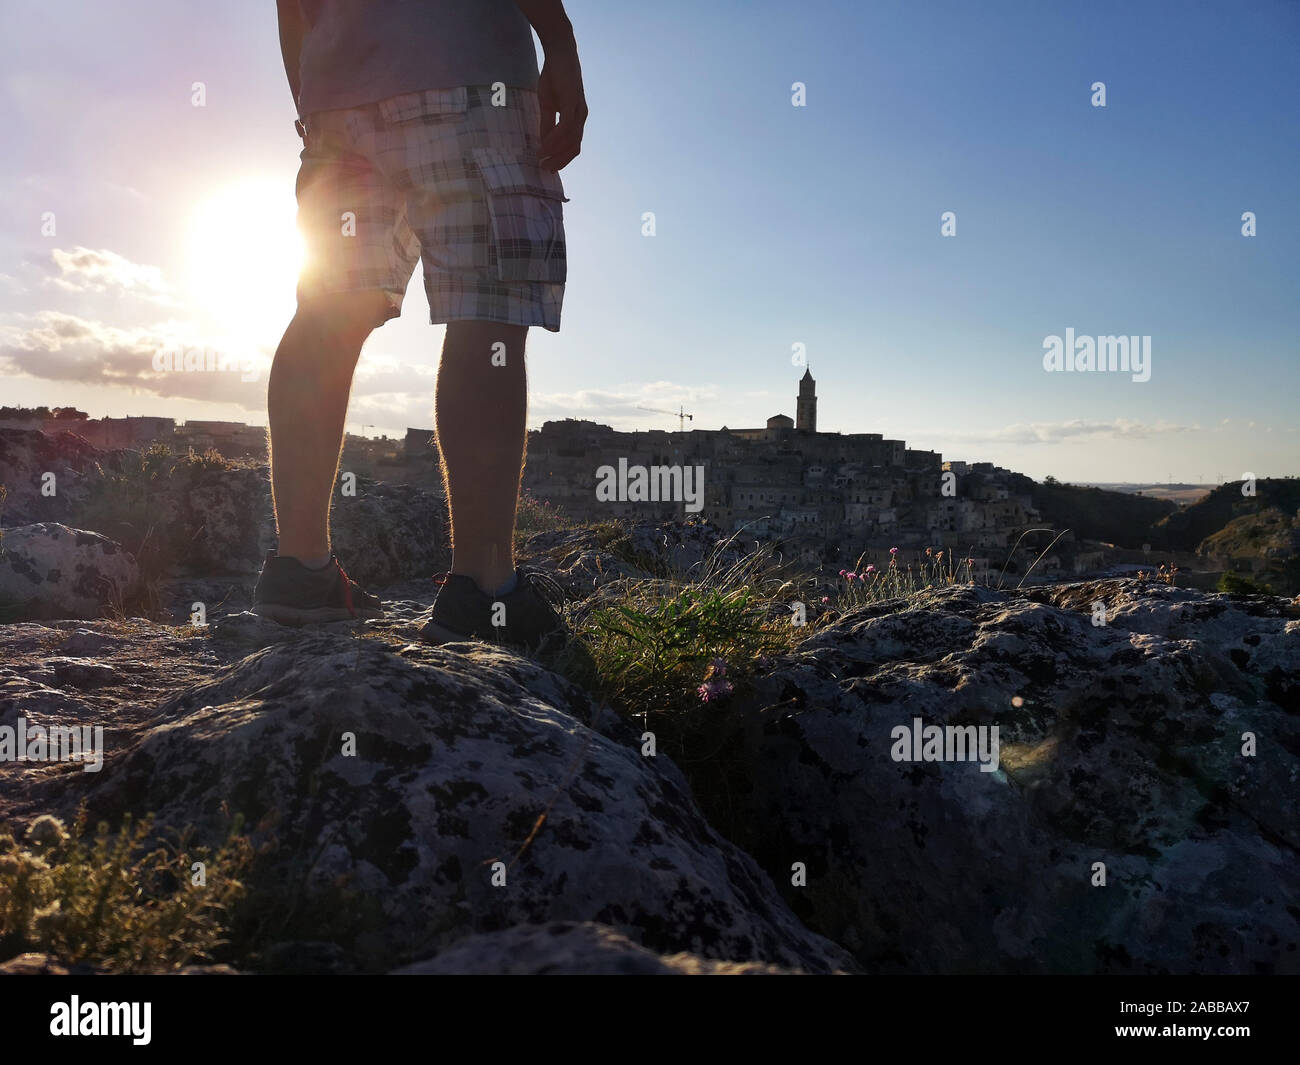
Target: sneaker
(530, 614)
(290, 593)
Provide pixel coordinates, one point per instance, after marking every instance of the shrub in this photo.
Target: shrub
(114, 901)
(1242, 584)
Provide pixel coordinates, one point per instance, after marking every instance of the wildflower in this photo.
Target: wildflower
(714, 689)
(893, 550)
(970, 562)
(870, 569)
(843, 572)
(851, 576)
(826, 599)
(929, 552)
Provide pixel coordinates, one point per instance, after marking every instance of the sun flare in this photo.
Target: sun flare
(245, 254)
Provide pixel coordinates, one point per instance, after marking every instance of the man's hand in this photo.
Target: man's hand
(559, 88)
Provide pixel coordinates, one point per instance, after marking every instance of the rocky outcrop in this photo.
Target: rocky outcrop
(1126, 744)
(204, 520)
(48, 570)
(441, 792)
(28, 458)
(1145, 732)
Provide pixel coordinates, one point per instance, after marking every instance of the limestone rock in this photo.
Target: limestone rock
(458, 753)
(48, 570)
(1121, 745)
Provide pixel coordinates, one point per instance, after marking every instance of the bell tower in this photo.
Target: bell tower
(806, 406)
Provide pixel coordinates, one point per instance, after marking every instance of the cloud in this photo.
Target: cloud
(87, 270)
(54, 346)
(1060, 432)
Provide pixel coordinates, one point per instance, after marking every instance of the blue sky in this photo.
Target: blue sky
(776, 224)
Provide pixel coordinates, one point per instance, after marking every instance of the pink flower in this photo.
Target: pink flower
(851, 576)
(870, 569)
(843, 572)
(714, 689)
(893, 550)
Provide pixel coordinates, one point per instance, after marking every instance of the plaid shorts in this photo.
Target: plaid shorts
(441, 175)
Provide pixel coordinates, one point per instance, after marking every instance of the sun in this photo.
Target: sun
(245, 253)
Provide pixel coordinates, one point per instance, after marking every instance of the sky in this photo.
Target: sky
(134, 222)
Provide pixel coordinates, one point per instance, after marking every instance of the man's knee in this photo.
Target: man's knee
(341, 320)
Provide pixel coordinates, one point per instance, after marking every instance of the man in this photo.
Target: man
(428, 134)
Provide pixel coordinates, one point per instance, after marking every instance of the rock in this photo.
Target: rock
(383, 534)
(224, 519)
(458, 753)
(570, 948)
(213, 520)
(80, 672)
(33, 964)
(1118, 745)
(27, 456)
(389, 533)
(49, 570)
(84, 643)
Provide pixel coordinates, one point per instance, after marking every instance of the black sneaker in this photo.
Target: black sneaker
(290, 593)
(527, 618)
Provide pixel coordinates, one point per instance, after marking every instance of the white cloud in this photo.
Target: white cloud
(54, 346)
(1059, 432)
(88, 270)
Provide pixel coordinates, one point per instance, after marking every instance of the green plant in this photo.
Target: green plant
(1242, 584)
(538, 515)
(117, 901)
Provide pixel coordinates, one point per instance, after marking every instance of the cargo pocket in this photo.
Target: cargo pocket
(524, 203)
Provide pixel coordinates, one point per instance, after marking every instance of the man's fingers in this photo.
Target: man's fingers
(561, 145)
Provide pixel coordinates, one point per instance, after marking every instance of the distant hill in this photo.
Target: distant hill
(1187, 528)
(1120, 518)
(1176, 493)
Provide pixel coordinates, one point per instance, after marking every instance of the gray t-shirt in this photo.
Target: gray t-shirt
(358, 51)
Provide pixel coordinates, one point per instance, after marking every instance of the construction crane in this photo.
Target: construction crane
(680, 414)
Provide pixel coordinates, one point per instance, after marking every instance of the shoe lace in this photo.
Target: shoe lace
(545, 585)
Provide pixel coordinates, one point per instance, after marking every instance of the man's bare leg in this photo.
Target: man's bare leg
(307, 403)
(480, 419)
